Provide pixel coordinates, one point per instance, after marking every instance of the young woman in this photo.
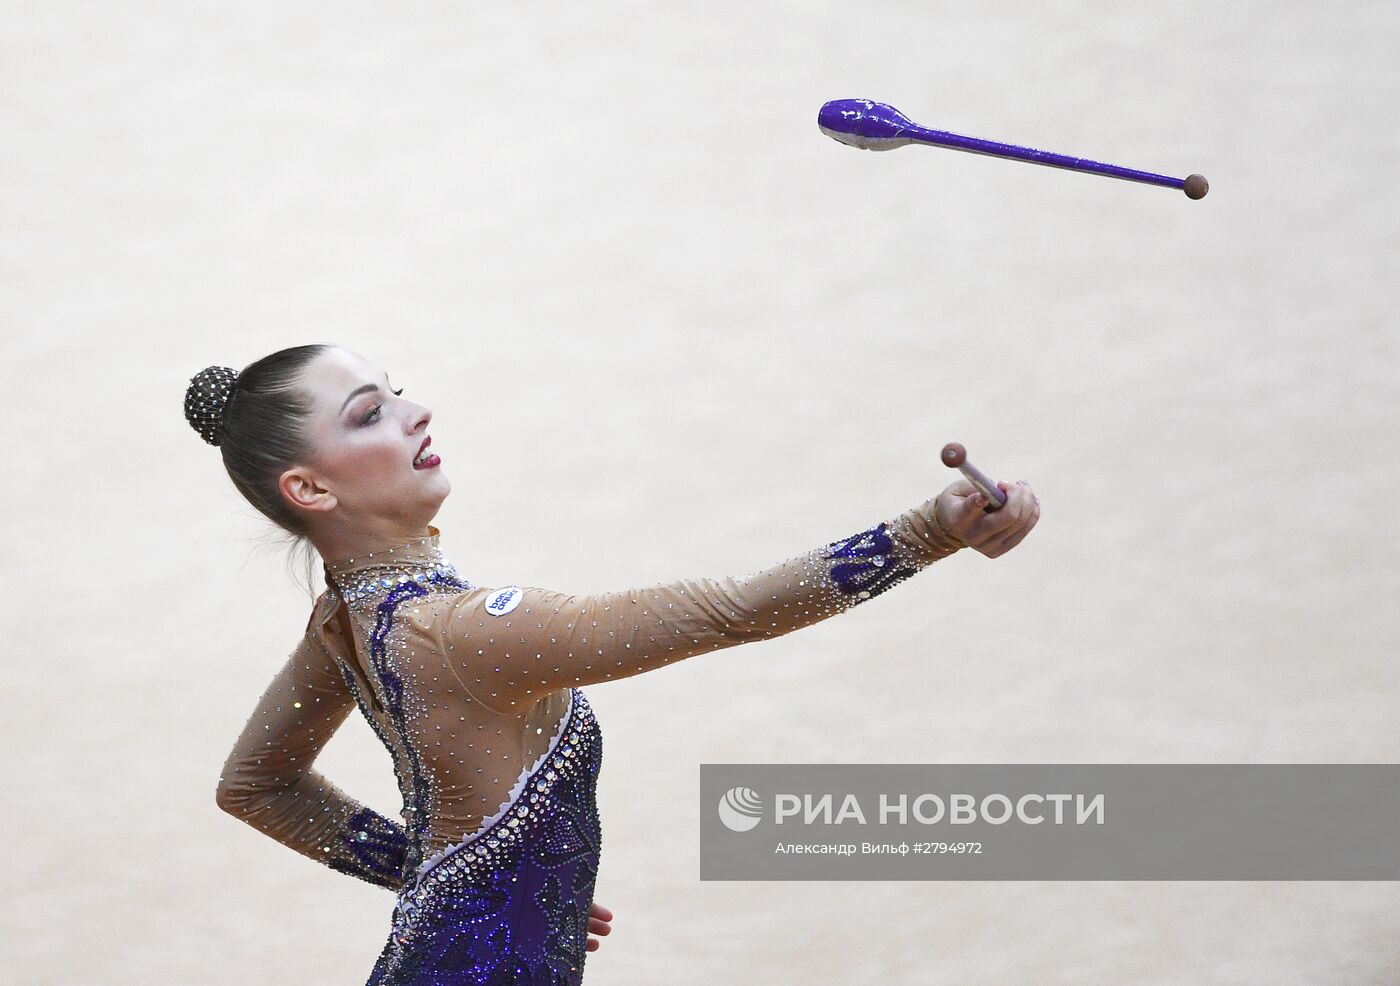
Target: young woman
(476, 691)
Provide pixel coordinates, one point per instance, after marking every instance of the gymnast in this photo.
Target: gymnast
(477, 691)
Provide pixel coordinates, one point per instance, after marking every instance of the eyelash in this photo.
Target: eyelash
(371, 416)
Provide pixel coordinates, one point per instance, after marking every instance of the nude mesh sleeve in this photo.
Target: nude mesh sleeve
(269, 782)
(510, 647)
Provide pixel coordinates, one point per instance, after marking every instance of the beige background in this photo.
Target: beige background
(668, 330)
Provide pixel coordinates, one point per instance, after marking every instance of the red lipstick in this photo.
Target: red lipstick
(425, 459)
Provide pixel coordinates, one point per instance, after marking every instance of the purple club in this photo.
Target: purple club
(873, 126)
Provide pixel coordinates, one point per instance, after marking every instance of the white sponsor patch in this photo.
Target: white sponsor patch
(501, 602)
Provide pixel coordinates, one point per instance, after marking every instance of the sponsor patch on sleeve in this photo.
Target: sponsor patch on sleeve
(502, 601)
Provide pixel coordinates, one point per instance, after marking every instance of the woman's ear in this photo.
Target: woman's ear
(300, 488)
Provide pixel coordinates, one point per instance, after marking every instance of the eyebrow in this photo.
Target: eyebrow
(362, 389)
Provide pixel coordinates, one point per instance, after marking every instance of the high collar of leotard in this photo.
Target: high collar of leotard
(418, 554)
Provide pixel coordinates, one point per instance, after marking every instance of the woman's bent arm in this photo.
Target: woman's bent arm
(510, 647)
(268, 780)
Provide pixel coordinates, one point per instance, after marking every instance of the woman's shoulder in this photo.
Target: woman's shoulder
(454, 600)
(450, 604)
(468, 606)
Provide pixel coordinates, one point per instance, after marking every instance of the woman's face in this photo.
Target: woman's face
(364, 440)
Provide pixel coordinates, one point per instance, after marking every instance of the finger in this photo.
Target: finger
(998, 530)
(597, 927)
(592, 945)
(1020, 504)
(987, 532)
(1017, 534)
(972, 523)
(991, 504)
(1009, 542)
(1025, 499)
(960, 488)
(1011, 513)
(1011, 494)
(599, 911)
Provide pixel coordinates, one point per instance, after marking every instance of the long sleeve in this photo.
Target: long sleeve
(269, 782)
(511, 646)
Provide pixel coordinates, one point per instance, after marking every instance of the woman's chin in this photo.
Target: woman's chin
(428, 491)
(442, 486)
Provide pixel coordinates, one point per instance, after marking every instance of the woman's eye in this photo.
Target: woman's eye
(373, 413)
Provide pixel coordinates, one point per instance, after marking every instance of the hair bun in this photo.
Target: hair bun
(206, 398)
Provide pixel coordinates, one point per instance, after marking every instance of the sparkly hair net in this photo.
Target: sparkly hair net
(206, 398)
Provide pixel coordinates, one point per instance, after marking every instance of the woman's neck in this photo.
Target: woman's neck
(339, 546)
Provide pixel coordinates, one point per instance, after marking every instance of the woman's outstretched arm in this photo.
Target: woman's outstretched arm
(269, 782)
(512, 646)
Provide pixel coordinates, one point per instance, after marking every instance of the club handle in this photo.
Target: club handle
(955, 456)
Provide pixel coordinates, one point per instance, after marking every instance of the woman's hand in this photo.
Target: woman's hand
(959, 510)
(599, 919)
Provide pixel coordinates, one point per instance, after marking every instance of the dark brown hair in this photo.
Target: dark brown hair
(257, 418)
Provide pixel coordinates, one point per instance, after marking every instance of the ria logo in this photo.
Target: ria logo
(740, 809)
(501, 603)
